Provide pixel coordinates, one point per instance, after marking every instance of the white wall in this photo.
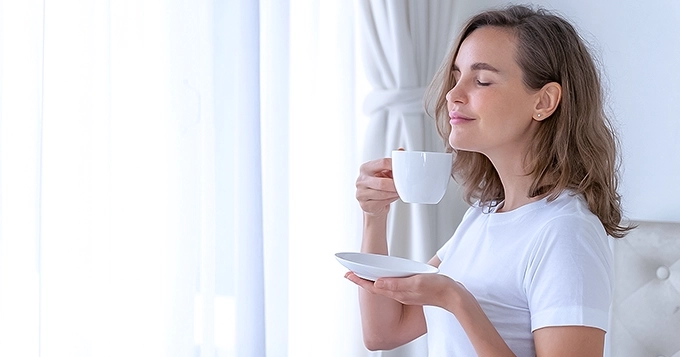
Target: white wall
(638, 43)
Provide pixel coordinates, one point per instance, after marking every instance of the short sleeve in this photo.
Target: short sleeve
(568, 281)
(441, 253)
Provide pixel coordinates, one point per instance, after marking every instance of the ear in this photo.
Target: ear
(547, 100)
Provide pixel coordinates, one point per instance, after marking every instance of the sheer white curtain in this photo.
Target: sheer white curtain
(324, 158)
(175, 177)
(404, 43)
(20, 128)
(107, 178)
(308, 152)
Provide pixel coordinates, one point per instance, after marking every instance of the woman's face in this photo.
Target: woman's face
(491, 110)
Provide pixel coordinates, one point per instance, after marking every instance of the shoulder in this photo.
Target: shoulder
(570, 234)
(568, 215)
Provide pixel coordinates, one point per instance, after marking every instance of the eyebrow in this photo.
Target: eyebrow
(479, 66)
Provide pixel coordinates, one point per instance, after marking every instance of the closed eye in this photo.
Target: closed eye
(483, 84)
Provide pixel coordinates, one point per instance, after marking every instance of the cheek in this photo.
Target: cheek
(512, 110)
(523, 104)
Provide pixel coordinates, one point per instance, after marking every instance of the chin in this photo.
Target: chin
(458, 146)
(462, 147)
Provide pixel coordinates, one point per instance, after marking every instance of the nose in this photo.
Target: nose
(455, 94)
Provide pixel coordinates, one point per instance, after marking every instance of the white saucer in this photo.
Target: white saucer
(374, 266)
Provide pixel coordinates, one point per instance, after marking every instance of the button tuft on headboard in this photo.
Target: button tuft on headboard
(663, 272)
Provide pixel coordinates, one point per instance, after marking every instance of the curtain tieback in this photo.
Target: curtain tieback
(405, 100)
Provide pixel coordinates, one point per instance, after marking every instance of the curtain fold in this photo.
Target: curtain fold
(404, 43)
(249, 280)
(275, 86)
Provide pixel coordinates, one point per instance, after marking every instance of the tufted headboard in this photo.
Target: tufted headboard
(646, 307)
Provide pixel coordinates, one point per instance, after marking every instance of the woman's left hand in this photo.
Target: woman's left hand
(419, 289)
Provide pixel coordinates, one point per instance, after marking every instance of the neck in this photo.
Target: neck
(516, 183)
(513, 202)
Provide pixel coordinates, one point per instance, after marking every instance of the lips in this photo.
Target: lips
(458, 118)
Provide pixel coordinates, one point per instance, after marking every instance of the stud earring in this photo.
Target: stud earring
(538, 116)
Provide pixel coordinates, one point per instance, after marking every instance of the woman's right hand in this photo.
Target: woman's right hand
(375, 187)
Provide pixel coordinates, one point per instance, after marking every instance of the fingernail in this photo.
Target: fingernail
(379, 284)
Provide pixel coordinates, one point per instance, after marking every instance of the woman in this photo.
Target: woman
(528, 271)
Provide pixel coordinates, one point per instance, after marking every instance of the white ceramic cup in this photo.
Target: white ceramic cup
(421, 177)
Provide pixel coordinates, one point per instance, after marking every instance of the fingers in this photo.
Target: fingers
(366, 284)
(419, 289)
(386, 285)
(375, 187)
(367, 195)
(377, 175)
(374, 166)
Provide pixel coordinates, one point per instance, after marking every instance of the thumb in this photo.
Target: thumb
(386, 283)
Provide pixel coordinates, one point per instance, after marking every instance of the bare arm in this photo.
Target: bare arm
(386, 323)
(482, 333)
(566, 341)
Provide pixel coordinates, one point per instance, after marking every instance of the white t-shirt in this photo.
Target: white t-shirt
(542, 264)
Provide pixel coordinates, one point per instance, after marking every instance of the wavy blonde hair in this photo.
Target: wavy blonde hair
(575, 148)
